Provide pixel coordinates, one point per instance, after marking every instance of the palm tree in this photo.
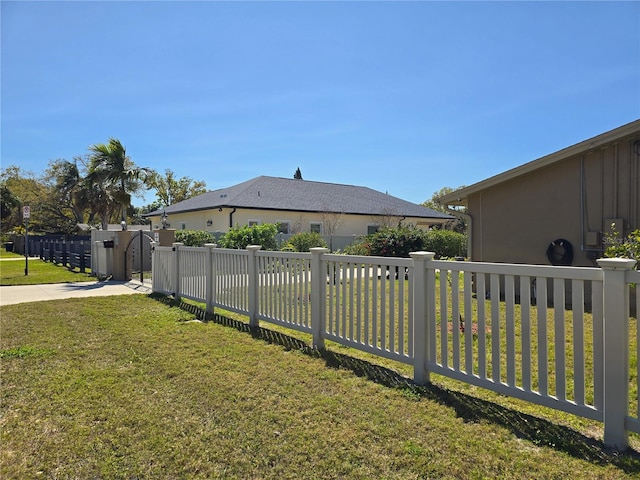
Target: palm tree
(101, 201)
(111, 166)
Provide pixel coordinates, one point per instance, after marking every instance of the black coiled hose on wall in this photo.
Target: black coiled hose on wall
(560, 252)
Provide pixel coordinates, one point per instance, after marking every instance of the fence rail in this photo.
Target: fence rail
(553, 336)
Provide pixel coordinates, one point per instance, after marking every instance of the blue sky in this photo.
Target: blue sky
(401, 97)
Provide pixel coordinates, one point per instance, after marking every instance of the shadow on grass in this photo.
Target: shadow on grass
(471, 409)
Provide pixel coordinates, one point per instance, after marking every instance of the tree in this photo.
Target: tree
(298, 174)
(109, 165)
(30, 191)
(68, 200)
(458, 225)
(331, 221)
(387, 219)
(170, 190)
(8, 205)
(103, 204)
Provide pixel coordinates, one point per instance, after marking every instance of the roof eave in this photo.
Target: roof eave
(459, 197)
(156, 213)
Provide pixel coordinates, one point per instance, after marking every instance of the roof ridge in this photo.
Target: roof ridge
(316, 181)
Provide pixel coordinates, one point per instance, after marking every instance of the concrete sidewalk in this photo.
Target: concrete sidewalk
(10, 295)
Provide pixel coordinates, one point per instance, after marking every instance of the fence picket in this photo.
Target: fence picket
(496, 354)
(577, 302)
(481, 295)
(525, 325)
(559, 337)
(541, 307)
(455, 319)
(510, 333)
(444, 319)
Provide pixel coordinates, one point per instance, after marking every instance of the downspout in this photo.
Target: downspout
(592, 253)
(231, 217)
(582, 204)
(616, 176)
(636, 189)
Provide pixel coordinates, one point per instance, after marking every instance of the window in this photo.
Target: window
(315, 227)
(253, 223)
(283, 227)
(372, 229)
(183, 226)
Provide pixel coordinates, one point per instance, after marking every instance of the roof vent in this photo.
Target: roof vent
(223, 195)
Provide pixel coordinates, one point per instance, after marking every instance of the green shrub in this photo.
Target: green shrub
(241, 237)
(395, 242)
(304, 241)
(360, 247)
(445, 243)
(399, 242)
(194, 238)
(628, 247)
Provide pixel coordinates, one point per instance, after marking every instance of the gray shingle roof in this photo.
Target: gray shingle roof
(273, 193)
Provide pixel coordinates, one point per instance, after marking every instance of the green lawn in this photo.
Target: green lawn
(133, 387)
(5, 254)
(12, 272)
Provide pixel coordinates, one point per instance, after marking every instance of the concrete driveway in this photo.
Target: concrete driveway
(10, 295)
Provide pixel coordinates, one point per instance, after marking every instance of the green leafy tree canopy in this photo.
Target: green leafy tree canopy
(170, 190)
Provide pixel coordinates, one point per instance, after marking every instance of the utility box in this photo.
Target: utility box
(592, 239)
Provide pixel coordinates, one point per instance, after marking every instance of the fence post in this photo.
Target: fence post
(616, 350)
(420, 307)
(153, 265)
(318, 296)
(176, 269)
(65, 254)
(209, 272)
(81, 257)
(95, 255)
(253, 285)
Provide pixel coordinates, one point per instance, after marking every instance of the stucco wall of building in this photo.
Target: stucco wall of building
(576, 199)
(220, 220)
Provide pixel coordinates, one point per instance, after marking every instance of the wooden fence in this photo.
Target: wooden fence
(562, 337)
(69, 253)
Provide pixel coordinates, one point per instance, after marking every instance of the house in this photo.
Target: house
(559, 209)
(297, 205)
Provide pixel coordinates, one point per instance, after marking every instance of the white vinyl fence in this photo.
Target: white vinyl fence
(555, 336)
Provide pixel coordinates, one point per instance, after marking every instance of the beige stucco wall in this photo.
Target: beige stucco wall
(574, 199)
(299, 222)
